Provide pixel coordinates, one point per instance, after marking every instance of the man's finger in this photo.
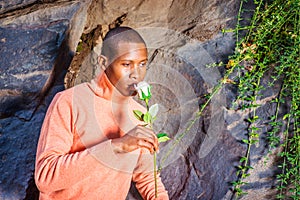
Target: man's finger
(146, 144)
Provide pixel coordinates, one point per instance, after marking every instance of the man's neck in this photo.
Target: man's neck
(109, 91)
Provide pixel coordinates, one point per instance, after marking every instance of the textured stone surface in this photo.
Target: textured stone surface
(32, 45)
(38, 40)
(10, 5)
(27, 60)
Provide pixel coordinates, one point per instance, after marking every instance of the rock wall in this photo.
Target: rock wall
(48, 44)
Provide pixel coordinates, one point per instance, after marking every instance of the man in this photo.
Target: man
(91, 146)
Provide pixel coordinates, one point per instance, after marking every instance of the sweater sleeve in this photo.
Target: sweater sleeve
(144, 178)
(57, 168)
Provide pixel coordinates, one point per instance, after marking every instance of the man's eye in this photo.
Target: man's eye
(143, 64)
(126, 64)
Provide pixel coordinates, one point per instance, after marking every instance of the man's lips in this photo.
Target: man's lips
(132, 89)
(132, 86)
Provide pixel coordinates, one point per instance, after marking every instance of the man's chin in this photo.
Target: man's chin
(129, 93)
(133, 93)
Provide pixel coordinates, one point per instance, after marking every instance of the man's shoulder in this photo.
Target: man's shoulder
(70, 93)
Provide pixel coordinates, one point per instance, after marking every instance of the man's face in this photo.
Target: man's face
(128, 67)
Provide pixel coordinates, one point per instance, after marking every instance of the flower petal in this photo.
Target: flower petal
(144, 90)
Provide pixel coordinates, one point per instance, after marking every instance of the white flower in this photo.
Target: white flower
(144, 90)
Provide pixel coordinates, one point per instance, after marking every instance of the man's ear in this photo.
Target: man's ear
(103, 62)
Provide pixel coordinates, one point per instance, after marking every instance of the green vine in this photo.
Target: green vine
(270, 48)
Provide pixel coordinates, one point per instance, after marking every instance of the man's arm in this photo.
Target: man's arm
(57, 168)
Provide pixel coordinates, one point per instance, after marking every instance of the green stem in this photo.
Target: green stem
(198, 115)
(284, 163)
(147, 104)
(252, 139)
(238, 22)
(154, 155)
(216, 89)
(273, 133)
(254, 20)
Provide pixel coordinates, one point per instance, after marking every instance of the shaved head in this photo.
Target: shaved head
(113, 38)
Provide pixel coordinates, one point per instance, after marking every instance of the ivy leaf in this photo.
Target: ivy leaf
(153, 110)
(246, 141)
(138, 114)
(286, 116)
(162, 137)
(243, 159)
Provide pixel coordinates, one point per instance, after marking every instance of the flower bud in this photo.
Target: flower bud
(144, 90)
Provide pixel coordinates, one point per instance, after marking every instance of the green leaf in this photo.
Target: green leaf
(138, 114)
(243, 159)
(162, 137)
(153, 110)
(246, 141)
(286, 116)
(147, 118)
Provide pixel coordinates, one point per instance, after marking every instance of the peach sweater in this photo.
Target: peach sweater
(74, 157)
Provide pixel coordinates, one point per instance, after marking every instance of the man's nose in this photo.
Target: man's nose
(135, 72)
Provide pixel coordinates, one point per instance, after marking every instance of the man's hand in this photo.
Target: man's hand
(138, 137)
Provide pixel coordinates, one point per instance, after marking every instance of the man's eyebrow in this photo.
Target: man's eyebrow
(128, 60)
